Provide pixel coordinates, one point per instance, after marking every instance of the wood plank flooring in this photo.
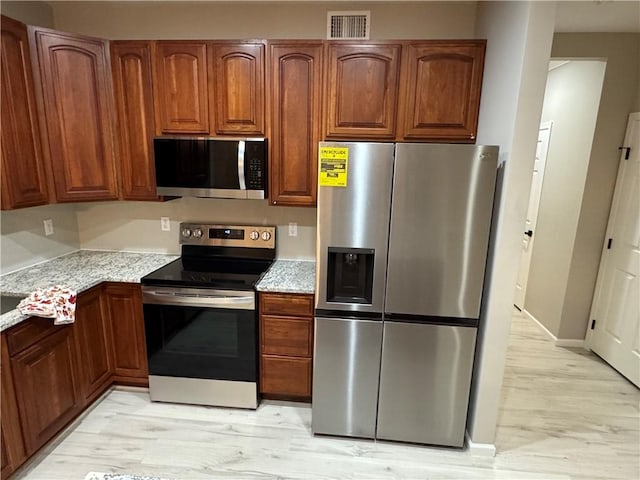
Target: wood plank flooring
(565, 415)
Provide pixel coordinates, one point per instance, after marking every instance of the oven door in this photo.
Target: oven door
(200, 338)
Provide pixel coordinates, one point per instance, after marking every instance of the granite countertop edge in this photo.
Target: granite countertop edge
(289, 276)
(84, 269)
(80, 270)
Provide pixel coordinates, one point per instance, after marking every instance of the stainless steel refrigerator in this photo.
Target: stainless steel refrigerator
(403, 232)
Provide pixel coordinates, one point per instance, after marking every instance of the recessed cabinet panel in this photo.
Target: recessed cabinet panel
(237, 71)
(11, 443)
(23, 173)
(296, 79)
(131, 63)
(362, 90)
(180, 81)
(76, 89)
(443, 90)
(47, 366)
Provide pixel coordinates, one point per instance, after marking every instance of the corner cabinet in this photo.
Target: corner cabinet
(181, 94)
(286, 345)
(93, 345)
(237, 78)
(362, 86)
(295, 93)
(74, 80)
(133, 92)
(442, 87)
(124, 308)
(23, 171)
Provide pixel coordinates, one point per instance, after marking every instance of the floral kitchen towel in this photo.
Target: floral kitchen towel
(58, 302)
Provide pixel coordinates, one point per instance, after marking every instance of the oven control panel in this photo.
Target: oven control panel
(252, 236)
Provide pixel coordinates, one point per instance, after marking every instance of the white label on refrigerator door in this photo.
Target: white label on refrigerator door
(333, 166)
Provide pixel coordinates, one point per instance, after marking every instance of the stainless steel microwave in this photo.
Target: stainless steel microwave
(211, 167)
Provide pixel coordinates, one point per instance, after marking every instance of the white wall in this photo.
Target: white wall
(206, 20)
(519, 36)
(571, 102)
(23, 241)
(135, 226)
(620, 96)
(31, 13)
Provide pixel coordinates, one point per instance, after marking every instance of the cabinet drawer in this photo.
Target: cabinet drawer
(286, 304)
(286, 376)
(30, 332)
(286, 336)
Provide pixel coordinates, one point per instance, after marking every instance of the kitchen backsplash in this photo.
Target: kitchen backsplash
(24, 242)
(135, 227)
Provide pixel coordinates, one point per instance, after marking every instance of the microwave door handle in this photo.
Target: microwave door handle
(241, 147)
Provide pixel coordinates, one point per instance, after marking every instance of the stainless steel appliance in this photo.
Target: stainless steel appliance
(211, 167)
(200, 316)
(401, 256)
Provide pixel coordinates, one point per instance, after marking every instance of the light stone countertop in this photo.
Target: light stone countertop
(79, 270)
(289, 276)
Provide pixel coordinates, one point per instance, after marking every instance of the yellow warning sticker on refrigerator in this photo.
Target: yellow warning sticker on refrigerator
(333, 166)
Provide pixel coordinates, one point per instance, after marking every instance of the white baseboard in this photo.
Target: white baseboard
(570, 342)
(559, 342)
(480, 449)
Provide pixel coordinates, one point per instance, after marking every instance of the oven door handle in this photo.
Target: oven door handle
(198, 300)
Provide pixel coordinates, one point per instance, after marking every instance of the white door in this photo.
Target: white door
(616, 305)
(532, 213)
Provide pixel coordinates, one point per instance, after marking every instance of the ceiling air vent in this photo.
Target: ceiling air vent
(348, 25)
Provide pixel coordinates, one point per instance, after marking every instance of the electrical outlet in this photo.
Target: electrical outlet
(293, 229)
(165, 224)
(48, 227)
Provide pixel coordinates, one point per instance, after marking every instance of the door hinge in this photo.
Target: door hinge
(609, 243)
(626, 153)
(593, 324)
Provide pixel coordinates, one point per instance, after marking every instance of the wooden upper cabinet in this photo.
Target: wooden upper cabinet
(133, 91)
(181, 96)
(362, 82)
(23, 172)
(74, 79)
(237, 77)
(295, 96)
(442, 90)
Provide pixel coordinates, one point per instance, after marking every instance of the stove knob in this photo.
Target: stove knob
(266, 236)
(254, 235)
(197, 233)
(186, 232)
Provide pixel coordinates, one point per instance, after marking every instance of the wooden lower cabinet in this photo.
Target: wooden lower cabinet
(124, 304)
(50, 373)
(286, 345)
(11, 443)
(93, 337)
(46, 385)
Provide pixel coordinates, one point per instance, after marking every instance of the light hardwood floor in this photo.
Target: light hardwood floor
(565, 415)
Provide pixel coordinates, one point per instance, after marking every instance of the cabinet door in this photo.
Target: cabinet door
(93, 338)
(181, 98)
(237, 72)
(46, 387)
(295, 95)
(442, 90)
(11, 443)
(23, 173)
(362, 90)
(132, 85)
(124, 302)
(75, 81)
